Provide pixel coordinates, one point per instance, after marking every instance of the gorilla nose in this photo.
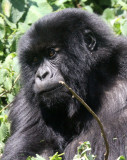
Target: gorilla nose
(43, 74)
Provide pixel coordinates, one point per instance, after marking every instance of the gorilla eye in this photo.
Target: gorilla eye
(35, 59)
(51, 52)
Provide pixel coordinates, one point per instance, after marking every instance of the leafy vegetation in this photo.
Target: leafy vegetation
(16, 16)
(83, 153)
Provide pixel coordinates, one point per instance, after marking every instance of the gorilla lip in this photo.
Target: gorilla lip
(52, 89)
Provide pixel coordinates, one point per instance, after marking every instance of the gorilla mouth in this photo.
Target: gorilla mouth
(56, 90)
(50, 90)
(40, 88)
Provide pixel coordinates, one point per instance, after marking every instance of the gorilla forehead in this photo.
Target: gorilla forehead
(68, 21)
(59, 23)
(57, 28)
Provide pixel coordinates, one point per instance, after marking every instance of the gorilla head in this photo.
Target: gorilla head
(78, 48)
(61, 46)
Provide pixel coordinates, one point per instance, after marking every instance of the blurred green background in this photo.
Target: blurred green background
(16, 16)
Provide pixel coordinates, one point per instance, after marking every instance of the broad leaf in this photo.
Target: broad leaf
(17, 10)
(6, 7)
(2, 28)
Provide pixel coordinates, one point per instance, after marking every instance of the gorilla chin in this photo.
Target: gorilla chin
(53, 96)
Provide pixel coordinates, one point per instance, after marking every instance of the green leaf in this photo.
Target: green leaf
(113, 2)
(13, 41)
(29, 158)
(124, 27)
(35, 13)
(2, 28)
(23, 27)
(3, 74)
(39, 157)
(108, 14)
(10, 97)
(3, 118)
(3, 131)
(84, 152)
(6, 7)
(116, 27)
(15, 65)
(88, 8)
(8, 83)
(121, 158)
(45, 7)
(56, 156)
(8, 61)
(17, 10)
(123, 4)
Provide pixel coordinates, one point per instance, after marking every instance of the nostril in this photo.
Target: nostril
(45, 75)
(38, 76)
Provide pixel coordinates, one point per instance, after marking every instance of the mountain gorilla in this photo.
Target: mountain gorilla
(78, 48)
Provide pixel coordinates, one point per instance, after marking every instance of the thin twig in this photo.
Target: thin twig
(94, 115)
(5, 107)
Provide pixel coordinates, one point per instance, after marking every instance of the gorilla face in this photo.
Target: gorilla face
(47, 76)
(45, 72)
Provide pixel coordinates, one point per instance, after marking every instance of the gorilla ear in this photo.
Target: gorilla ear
(90, 40)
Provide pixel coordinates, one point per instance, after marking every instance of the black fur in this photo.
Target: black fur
(94, 64)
